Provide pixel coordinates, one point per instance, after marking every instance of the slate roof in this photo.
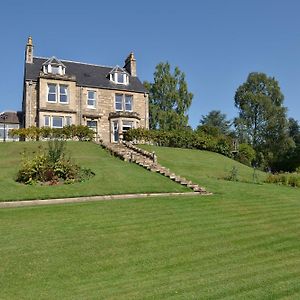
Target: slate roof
(11, 117)
(86, 75)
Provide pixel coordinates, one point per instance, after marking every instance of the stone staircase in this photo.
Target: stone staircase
(148, 160)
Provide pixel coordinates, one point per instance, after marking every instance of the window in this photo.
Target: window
(123, 102)
(51, 92)
(119, 75)
(68, 121)
(46, 121)
(120, 78)
(57, 122)
(127, 125)
(63, 93)
(56, 91)
(91, 99)
(54, 66)
(128, 103)
(55, 70)
(92, 125)
(119, 102)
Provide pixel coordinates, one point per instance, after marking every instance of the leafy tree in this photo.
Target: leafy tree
(262, 118)
(294, 130)
(291, 160)
(169, 99)
(216, 121)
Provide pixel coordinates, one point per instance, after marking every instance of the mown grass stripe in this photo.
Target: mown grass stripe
(241, 243)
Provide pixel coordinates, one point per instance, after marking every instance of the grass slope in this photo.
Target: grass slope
(203, 166)
(241, 243)
(113, 176)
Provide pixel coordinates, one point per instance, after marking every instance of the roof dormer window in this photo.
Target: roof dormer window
(54, 66)
(119, 76)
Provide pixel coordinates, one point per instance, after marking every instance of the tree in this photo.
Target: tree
(262, 118)
(215, 121)
(169, 99)
(291, 160)
(294, 130)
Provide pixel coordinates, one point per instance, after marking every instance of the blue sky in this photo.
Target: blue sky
(215, 42)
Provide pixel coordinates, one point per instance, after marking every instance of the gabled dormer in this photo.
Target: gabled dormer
(54, 66)
(119, 75)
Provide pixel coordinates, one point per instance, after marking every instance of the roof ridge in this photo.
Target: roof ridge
(76, 62)
(7, 111)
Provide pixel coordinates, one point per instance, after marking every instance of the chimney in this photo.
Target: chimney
(29, 51)
(130, 64)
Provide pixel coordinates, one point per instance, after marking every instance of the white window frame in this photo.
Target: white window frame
(122, 105)
(58, 93)
(49, 69)
(131, 103)
(68, 121)
(126, 125)
(56, 70)
(94, 128)
(52, 84)
(90, 99)
(61, 117)
(115, 78)
(63, 94)
(124, 96)
(47, 119)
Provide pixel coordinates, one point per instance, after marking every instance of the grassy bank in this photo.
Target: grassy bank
(113, 176)
(243, 242)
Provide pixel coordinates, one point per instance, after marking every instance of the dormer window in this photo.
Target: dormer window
(55, 70)
(119, 76)
(54, 66)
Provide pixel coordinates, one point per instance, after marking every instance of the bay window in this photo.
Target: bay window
(57, 121)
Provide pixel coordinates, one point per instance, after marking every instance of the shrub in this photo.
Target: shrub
(51, 167)
(246, 154)
(294, 180)
(56, 150)
(233, 174)
(83, 133)
(288, 179)
(181, 139)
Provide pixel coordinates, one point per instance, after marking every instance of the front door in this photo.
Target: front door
(115, 131)
(91, 124)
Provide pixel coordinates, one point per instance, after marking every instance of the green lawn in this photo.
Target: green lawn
(243, 242)
(204, 167)
(113, 176)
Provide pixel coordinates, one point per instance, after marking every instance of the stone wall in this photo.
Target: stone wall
(37, 106)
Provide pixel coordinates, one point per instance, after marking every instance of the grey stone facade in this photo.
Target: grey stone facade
(108, 99)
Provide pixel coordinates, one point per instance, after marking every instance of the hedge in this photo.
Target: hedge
(79, 132)
(181, 139)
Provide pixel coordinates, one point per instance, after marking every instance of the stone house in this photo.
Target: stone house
(110, 100)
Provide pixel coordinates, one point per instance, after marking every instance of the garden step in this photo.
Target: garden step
(147, 160)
